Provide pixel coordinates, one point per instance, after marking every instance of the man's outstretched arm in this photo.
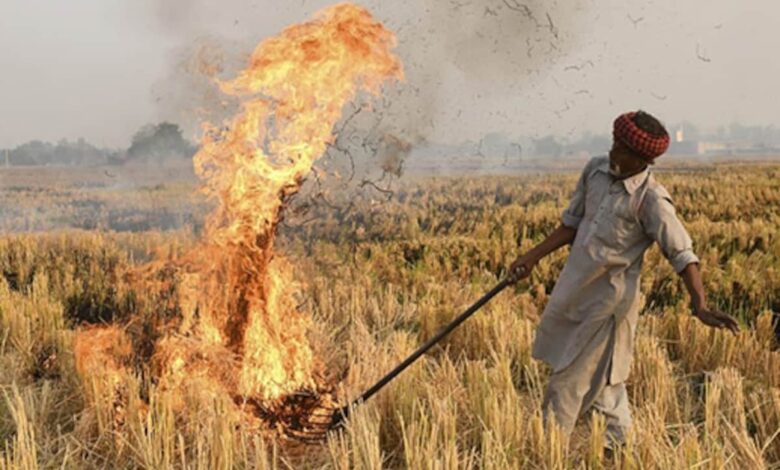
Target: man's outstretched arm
(522, 266)
(661, 223)
(692, 278)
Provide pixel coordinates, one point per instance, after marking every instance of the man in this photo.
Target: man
(587, 329)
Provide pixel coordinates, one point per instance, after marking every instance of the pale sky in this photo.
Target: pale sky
(100, 69)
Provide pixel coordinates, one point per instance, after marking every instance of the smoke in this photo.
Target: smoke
(494, 41)
(189, 94)
(467, 63)
(467, 66)
(465, 59)
(458, 55)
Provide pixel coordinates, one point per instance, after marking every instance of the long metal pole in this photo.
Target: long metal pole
(421, 350)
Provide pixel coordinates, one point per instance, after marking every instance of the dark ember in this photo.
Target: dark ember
(304, 415)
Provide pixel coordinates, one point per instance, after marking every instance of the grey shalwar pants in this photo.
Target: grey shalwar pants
(584, 384)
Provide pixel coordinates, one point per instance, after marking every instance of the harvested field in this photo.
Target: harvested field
(376, 280)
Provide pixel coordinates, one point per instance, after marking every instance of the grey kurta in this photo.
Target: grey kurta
(616, 221)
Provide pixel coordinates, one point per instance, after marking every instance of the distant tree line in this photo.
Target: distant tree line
(594, 144)
(152, 143)
(158, 143)
(553, 146)
(503, 148)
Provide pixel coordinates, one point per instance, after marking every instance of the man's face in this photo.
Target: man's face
(622, 162)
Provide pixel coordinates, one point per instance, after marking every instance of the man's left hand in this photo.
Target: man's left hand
(717, 319)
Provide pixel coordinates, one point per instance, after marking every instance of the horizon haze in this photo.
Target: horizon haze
(100, 71)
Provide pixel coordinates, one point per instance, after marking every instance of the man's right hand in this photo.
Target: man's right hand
(523, 265)
(520, 268)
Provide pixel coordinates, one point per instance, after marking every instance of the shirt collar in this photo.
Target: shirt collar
(631, 183)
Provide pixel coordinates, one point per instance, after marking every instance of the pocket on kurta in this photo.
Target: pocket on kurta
(619, 230)
(609, 231)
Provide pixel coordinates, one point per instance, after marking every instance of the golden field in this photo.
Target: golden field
(377, 278)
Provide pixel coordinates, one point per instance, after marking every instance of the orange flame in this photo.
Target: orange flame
(236, 294)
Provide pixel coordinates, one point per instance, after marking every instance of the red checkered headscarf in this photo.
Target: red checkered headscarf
(645, 144)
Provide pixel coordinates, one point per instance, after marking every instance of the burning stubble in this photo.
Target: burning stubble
(230, 324)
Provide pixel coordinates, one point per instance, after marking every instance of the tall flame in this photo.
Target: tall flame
(240, 331)
(293, 94)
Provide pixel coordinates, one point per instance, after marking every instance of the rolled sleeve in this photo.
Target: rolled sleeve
(570, 220)
(573, 214)
(683, 259)
(662, 225)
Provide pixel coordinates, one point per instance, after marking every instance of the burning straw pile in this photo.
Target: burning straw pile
(226, 321)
